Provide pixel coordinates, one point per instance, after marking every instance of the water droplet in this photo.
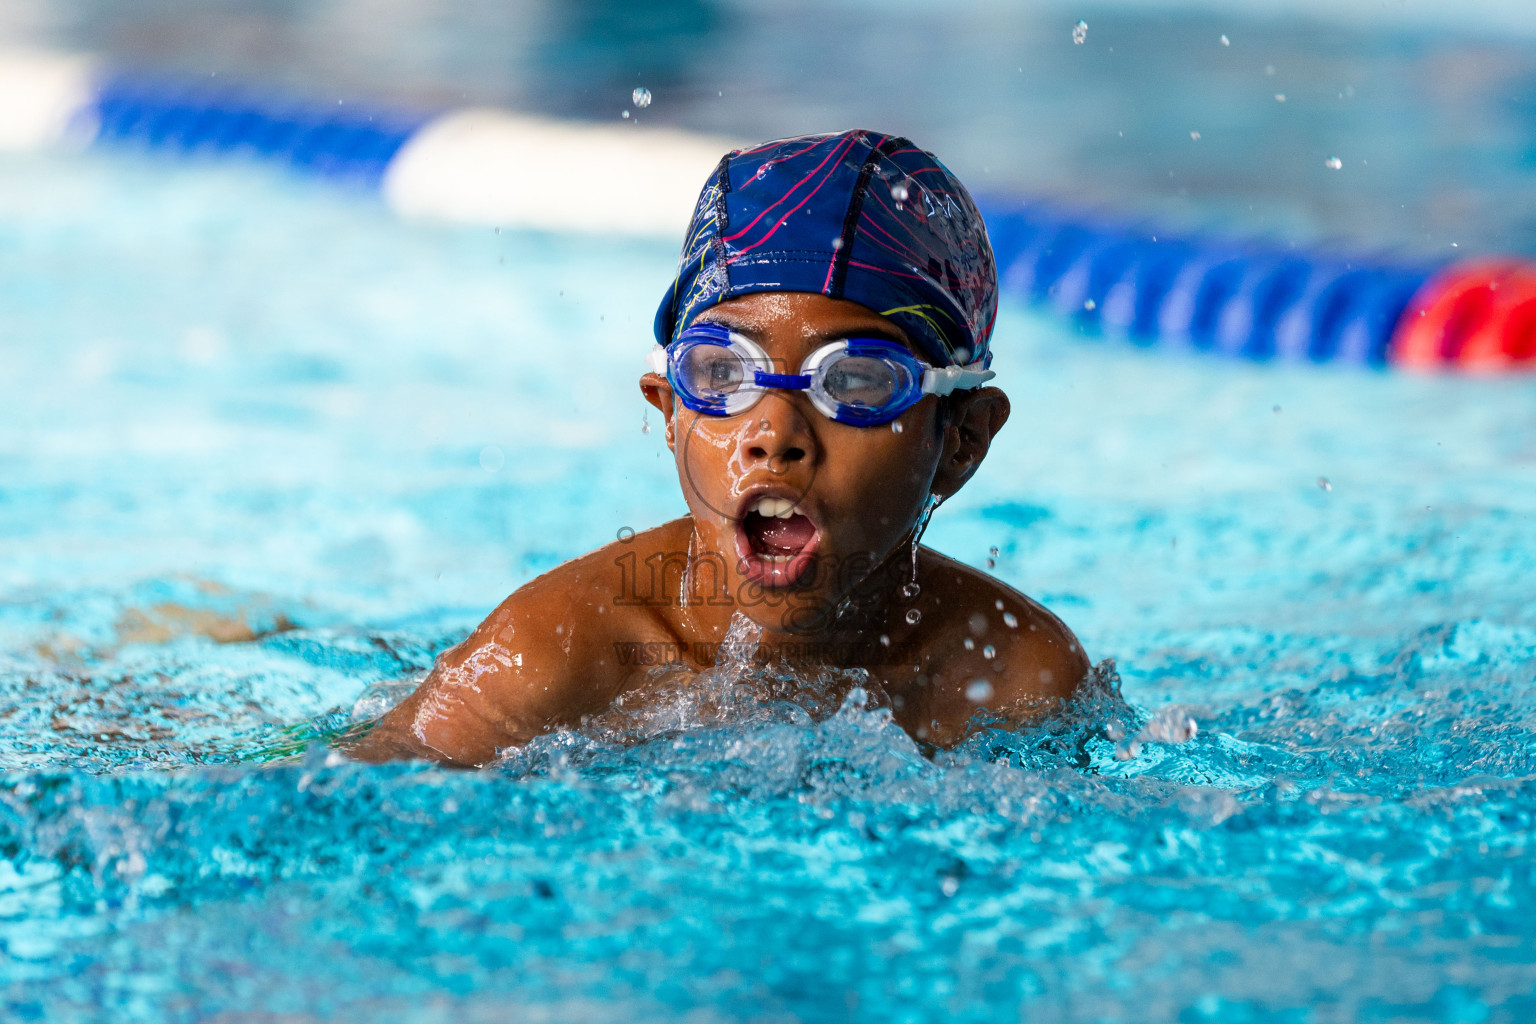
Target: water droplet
(899, 191)
(1324, 484)
(911, 590)
(626, 115)
(1277, 410)
(970, 644)
(837, 243)
(1279, 97)
(641, 97)
(950, 885)
(1080, 33)
(896, 427)
(1010, 620)
(991, 563)
(885, 641)
(625, 534)
(645, 422)
(1225, 41)
(998, 605)
(1114, 731)
(977, 623)
(1333, 163)
(989, 652)
(1196, 137)
(762, 172)
(498, 231)
(914, 616)
(1090, 305)
(1170, 725)
(492, 458)
(978, 690)
(763, 424)
(1269, 69)
(932, 503)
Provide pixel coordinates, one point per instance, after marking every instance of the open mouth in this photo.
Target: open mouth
(776, 542)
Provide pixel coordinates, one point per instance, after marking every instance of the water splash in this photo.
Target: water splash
(751, 683)
(1172, 725)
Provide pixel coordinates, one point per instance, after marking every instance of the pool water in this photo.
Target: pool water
(264, 452)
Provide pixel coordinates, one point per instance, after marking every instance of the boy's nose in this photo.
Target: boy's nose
(776, 435)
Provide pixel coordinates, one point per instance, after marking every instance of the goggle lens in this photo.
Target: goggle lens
(862, 381)
(712, 370)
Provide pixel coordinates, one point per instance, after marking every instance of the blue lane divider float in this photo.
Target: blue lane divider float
(495, 167)
(332, 141)
(1209, 295)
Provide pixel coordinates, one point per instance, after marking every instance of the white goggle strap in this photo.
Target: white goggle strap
(656, 359)
(943, 380)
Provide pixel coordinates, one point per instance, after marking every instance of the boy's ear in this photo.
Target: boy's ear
(974, 420)
(659, 393)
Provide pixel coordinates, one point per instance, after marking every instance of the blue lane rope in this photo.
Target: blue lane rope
(333, 142)
(1208, 295)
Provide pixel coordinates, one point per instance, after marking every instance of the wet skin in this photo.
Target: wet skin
(827, 587)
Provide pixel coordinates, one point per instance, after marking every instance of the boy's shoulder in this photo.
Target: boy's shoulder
(554, 650)
(591, 605)
(636, 570)
(988, 644)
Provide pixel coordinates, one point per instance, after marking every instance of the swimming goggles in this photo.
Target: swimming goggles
(860, 381)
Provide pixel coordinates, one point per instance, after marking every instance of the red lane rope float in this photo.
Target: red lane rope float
(1477, 317)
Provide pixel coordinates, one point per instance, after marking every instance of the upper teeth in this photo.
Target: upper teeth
(774, 508)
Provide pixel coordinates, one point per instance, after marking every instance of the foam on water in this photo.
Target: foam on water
(243, 504)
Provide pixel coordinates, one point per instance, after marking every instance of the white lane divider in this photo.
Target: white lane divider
(477, 166)
(492, 167)
(45, 99)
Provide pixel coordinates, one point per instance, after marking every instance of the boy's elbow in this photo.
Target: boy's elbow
(425, 727)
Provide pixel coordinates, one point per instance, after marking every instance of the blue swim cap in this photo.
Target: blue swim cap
(854, 215)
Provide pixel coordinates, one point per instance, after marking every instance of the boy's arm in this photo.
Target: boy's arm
(509, 681)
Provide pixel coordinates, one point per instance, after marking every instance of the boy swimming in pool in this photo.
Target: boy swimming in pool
(821, 367)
